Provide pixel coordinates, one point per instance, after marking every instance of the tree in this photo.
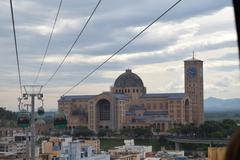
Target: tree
(82, 131)
(210, 129)
(230, 126)
(102, 133)
(139, 132)
(127, 132)
(7, 118)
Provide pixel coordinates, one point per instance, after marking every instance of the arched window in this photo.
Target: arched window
(104, 109)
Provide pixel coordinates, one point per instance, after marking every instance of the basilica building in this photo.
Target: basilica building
(129, 105)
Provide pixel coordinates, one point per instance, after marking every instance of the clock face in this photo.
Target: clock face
(191, 71)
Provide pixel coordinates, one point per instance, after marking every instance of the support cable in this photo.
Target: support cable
(79, 35)
(124, 46)
(16, 48)
(49, 41)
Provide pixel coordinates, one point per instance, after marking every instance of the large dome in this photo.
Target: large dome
(128, 79)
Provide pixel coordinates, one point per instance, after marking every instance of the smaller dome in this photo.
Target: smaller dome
(128, 79)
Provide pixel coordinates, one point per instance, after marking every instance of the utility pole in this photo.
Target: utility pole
(27, 136)
(33, 128)
(32, 91)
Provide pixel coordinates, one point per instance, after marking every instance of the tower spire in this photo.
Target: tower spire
(193, 55)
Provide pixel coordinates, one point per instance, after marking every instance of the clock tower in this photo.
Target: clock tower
(193, 71)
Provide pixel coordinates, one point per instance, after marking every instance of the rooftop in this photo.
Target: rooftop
(88, 97)
(165, 95)
(76, 97)
(128, 79)
(193, 59)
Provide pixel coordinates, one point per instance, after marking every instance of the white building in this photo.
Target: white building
(21, 147)
(73, 150)
(166, 154)
(130, 147)
(7, 144)
(65, 147)
(79, 152)
(15, 144)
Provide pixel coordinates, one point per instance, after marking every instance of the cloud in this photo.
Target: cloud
(183, 35)
(156, 56)
(221, 63)
(63, 25)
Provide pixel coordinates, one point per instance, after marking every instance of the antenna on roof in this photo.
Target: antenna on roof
(193, 55)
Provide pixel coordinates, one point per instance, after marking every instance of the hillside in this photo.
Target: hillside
(213, 104)
(7, 118)
(7, 115)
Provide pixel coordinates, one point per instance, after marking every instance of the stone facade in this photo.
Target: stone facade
(194, 87)
(128, 105)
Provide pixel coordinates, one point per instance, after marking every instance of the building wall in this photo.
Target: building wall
(176, 109)
(49, 147)
(194, 87)
(21, 147)
(133, 92)
(183, 110)
(69, 107)
(8, 147)
(95, 122)
(46, 147)
(74, 150)
(216, 153)
(125, 156)
(126, 150)
(95, 144)
(9, 132)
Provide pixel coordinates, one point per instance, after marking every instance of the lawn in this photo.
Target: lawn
(156, 144)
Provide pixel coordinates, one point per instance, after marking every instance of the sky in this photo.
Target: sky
(157, 56)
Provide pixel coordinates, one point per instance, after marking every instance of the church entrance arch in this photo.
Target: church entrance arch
(104, 110)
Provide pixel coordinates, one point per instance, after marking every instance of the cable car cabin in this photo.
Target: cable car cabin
(41, 111)
(23, 119)
(60, 120)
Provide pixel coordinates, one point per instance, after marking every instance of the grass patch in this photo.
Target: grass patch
(106, 144)
(155, 143)
(156, 146)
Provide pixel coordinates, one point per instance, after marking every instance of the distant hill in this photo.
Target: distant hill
(7, 118)
(7, 115)
(213, 104)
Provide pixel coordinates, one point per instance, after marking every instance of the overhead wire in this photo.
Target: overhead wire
(74, 43)
(49, 41)
(131, 40)
(16, 48)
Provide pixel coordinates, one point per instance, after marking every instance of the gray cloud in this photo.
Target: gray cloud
(111, 27)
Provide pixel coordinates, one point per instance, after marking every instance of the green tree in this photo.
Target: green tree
(210, 129)
(7, 118)
(127, 132)
(82, 131)
(230, 126)
(142, 132)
